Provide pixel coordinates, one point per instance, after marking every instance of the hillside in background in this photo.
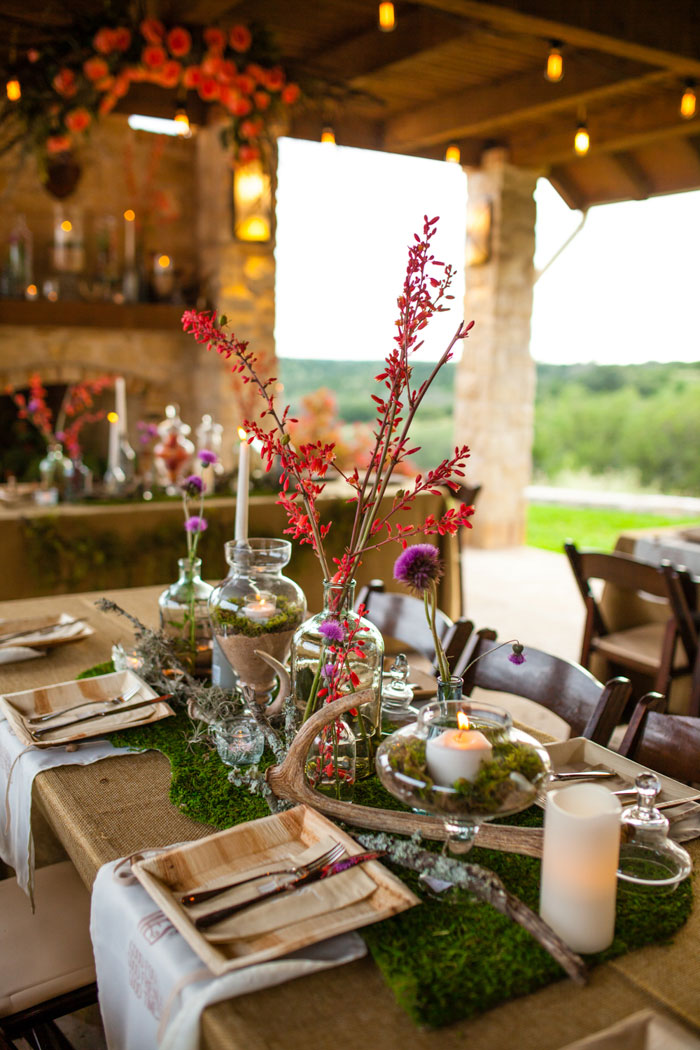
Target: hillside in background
(628, 427)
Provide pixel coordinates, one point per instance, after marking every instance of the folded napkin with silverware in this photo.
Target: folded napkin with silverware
(128, 933)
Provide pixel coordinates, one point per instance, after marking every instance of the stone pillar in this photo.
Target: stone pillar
(495, 382)
(239, 279)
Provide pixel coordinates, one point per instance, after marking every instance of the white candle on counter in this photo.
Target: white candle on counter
(242, 490)
(457, 754)
(260, 607)
(129, 239)
(120, 402)
(578, 885)
(113, 454)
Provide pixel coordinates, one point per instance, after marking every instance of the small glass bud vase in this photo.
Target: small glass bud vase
(322, 670)
(184, 617)
(256, 609)
(331, 761)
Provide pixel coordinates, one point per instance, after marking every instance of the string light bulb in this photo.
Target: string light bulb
(14, 90)
(582, 139)
(554, 70)
(689, 100)
(328, 137)
(387, 17)
(453, 154)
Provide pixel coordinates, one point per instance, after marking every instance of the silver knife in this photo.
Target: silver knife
(213, 917)
(38, 733)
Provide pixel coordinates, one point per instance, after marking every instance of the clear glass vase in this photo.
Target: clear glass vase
(322, 669)
(184, 617)
(256, 609)
(56, 472)
(331, 761)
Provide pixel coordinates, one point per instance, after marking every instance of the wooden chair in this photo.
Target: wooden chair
(47, 968)
(590, 708)
(465, 494)
(401, 616)
(651, 649)
(668, 744)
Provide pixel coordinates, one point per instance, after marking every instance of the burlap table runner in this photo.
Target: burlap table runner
(118, 807)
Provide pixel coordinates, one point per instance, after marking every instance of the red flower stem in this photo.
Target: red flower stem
(318, 546)
(369, 518)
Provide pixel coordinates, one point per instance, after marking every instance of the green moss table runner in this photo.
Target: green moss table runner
(452, 957)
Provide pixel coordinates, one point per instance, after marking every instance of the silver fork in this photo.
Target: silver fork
(334, 853)
(115, 700)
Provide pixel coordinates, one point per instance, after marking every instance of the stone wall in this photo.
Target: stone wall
(183, 188)
(495, 384)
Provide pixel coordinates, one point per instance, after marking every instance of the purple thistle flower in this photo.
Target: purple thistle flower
(207, 457)
(328, 670)
(196, 524)
(32, 404)
(192, 485)
(332, 631)
(418, 566)
(516, 657)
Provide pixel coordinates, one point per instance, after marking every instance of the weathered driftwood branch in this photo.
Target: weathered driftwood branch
(288, 781)
(487, 887)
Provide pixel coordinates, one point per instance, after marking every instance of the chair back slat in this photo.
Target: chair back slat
(624, 572)
(402, 616)
(570, 691)
(668, 744)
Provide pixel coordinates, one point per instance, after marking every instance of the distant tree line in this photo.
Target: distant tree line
(638, 425)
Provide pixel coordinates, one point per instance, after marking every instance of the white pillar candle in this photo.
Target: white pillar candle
(456, 754)
(129, 239)
(260, 607)
(120, 402)
(113, 455)
(579, 865)
(242, 490)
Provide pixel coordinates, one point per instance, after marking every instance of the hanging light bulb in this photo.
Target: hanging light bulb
(182, 119)
(387, 18)
(328, 137)
(582, 139)
(554, 69)
(14, 90)
(453, 154)
(688, 101)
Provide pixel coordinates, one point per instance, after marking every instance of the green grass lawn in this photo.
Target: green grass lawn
(548, 526)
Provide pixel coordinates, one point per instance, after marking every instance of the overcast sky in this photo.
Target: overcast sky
(625, 290)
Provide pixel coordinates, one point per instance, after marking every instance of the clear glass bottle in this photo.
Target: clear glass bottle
(320, 670)
(256, 608)
(20, 258)
(332, 760)
(56, 472)
(397, 696)
(184, 616)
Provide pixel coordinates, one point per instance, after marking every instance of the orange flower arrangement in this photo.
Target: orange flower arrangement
(81, 75)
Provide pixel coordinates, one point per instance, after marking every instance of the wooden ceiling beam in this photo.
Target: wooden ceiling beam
(616, 131)
(417, 30)
(567, 189)
(639, 30)
(631, 169)
(493, 107)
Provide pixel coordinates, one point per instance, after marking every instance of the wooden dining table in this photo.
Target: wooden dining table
(117, 806)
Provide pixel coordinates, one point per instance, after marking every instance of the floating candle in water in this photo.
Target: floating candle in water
(260, 607)
(457, 754)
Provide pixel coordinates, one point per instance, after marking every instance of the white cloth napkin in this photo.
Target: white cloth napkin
(16, 841)
(14, 654)
(153, 987)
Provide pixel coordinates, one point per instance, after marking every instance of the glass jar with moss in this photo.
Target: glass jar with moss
(256, 609)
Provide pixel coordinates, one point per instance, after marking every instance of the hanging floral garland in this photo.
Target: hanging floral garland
(70, 82)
